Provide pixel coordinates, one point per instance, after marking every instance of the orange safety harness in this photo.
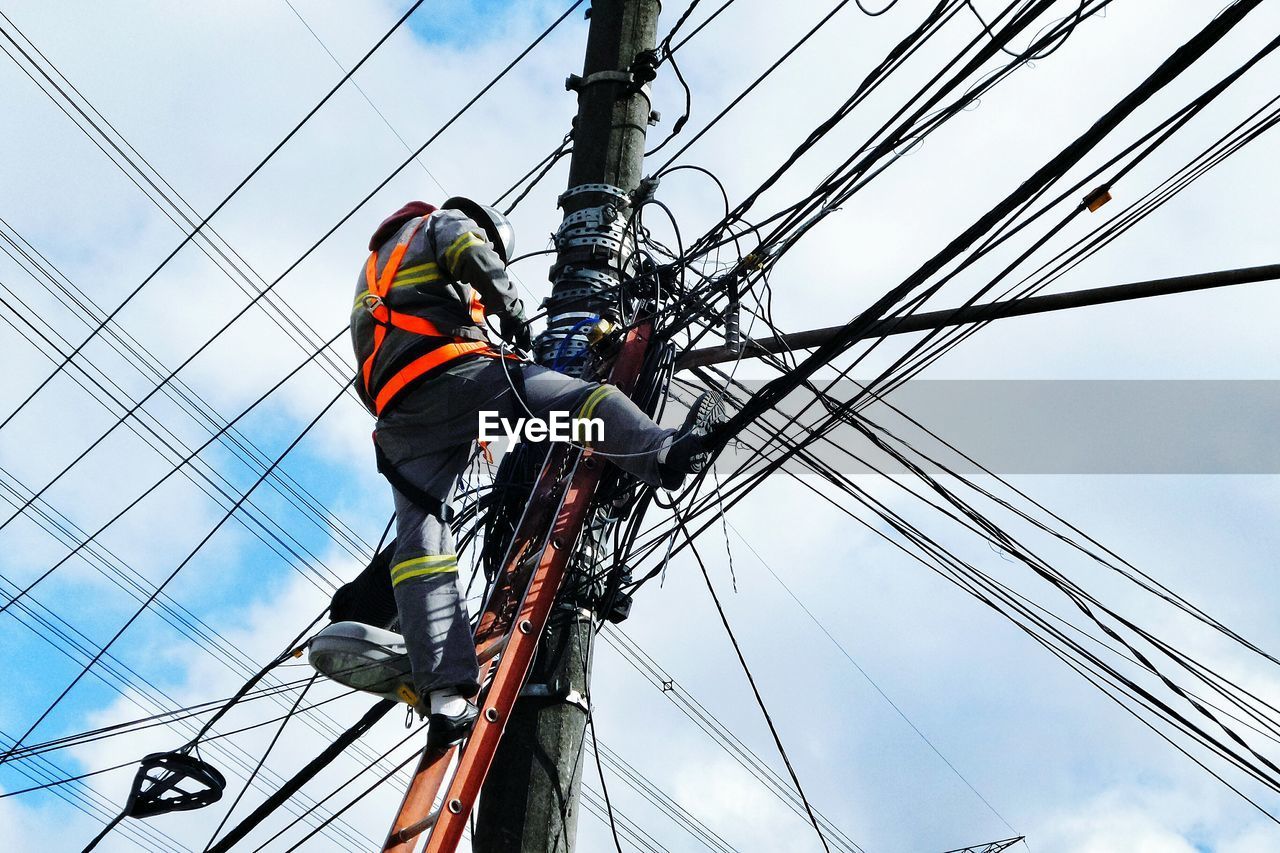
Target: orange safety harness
(385, 318)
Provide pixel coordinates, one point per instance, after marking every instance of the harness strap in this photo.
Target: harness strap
(421, 365)
(386, 318)
(378, 286)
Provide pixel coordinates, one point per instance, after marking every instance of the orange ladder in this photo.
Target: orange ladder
(508, 631)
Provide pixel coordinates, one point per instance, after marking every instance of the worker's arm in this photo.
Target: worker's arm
(467, 256)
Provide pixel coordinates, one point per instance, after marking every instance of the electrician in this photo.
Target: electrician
(427, 370)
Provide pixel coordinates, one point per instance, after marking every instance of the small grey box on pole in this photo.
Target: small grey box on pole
(530, 800)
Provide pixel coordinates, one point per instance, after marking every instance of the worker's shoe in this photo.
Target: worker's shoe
(690, 447)
(447, 729)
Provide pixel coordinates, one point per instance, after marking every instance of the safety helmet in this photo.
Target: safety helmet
(496, 226)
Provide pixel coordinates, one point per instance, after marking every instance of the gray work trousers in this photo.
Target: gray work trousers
(427, 435)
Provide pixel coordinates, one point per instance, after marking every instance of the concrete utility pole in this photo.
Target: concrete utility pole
(530, 800)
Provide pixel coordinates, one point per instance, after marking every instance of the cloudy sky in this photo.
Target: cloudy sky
(202, 92)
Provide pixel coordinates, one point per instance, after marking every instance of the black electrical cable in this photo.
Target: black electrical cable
(5, 756)
(822, 22)
(156, 436)
(646, 788)
(263, 760)
(90, 802)
(131, 726)
(1178, 119)
(397, 768)
(308, 772)
(155, 485)
(1181, 721)
(224, 201)
(58, 285)
(795, 212)
(684, 117)
(179, 211)
(845, 652)
(1030, 53)
(189, 626)
(541, 168)
(710, 724)
(133, 762)
(131, 685)
(1227, 145)
(368, 100)
(484, 90)
(801, 216)
(746, 670)
(1055, 167)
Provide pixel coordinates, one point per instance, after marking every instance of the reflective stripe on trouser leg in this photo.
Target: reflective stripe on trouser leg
(627, 432)
(435, 564)
(424, 574)
(438, 634)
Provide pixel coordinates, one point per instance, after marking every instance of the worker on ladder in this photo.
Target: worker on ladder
(427, 371)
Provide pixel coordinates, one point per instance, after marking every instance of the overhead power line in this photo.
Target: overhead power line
(501, 74)
(218, 208)
(168, 579)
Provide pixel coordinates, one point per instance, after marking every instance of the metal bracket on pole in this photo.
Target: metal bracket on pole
(576, 83)
(591, 217)
(632, 86)
(556, 693)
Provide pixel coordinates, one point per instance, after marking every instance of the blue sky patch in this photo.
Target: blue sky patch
(458, 23)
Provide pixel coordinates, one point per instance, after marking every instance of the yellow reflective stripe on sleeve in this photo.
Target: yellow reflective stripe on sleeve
(434, 564)
(417, 279)
(419, 268)
(458, 246)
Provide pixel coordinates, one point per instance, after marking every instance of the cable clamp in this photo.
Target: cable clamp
(631, 83)
(616, 231)
(647, 189)
(597, 278)
(610, 243)
(591, 217)
(602, 189)
(575, 83)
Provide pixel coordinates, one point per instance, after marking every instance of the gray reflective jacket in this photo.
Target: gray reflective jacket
(448, 265)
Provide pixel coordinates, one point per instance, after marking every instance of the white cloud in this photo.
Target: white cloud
(204, 93)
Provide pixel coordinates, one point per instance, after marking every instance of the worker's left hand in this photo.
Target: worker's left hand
(515, 331)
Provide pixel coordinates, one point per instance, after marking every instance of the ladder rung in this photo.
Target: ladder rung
(413, 830)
